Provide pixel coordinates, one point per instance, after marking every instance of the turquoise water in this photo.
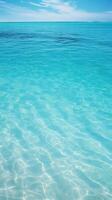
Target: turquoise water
(55, 111)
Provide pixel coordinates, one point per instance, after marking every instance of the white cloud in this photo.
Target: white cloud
(67, 12)
(50, 10)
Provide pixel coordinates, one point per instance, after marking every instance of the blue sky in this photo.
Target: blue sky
(55, 10)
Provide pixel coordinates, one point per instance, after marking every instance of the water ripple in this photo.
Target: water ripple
(55, 113)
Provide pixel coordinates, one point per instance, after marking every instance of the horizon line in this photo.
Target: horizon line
(56, 21)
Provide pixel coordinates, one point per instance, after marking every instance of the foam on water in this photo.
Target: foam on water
(55, 111)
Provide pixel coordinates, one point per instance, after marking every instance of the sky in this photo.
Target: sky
(55, 10)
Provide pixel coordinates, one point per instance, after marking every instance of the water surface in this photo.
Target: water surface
(55, 111)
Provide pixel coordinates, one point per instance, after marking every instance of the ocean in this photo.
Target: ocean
(56, 111)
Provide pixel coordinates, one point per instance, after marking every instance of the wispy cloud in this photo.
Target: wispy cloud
(55, 5)
(49, 10)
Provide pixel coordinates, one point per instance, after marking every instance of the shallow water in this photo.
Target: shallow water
(55, 111)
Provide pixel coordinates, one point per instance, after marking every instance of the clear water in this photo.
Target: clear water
(55, 111)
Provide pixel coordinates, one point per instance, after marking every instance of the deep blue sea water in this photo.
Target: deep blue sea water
(55, 111)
